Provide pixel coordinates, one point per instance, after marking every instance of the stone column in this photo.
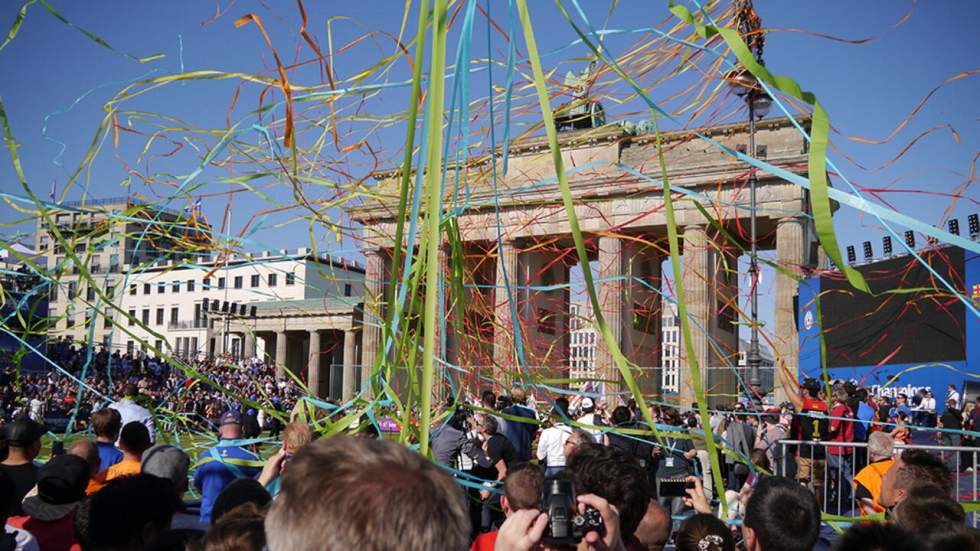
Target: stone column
(350, 351)
(694, 278)
(611, 298)
(374, 281)
(503, 333)
(789, 255)
(313, 370)
(280, 354)
(248, 350)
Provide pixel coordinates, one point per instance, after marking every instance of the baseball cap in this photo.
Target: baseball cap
(232, 417)
(61, 484)
(166, 461)
(22, 432)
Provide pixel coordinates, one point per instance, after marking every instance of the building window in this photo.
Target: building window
(272, 280)
(53, 295)
(221, 283)
(255, 280)
(206, 283)
(132, 289)
(190, 285)
(161, 288)
(290, 278)
(193, 345)
(238, 282)
(159, 316)
(106, 321)
(130, 347)
(174, 312)
(159, 347)
(175, 287)
(146, 288)
(89, 294)
(71, 290)
(132, 317)
(146, 316)
(347, 289)
(69, 319)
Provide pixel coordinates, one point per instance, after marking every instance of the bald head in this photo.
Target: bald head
(654, 529)
(87, 450)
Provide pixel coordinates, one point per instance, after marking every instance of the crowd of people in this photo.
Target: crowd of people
(191, 392)
(505, 473)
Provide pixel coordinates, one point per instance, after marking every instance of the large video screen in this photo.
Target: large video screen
(917, 327)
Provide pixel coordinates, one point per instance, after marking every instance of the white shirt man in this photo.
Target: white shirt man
(130, 411)
(591, 419)
(953, 395)
(551, 447)
(37, 410)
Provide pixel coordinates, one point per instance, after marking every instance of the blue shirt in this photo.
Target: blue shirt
(865, 414)
(212, 477)
(109, 454)
(520, 434)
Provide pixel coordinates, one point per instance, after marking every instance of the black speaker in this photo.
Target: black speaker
(954, 226)
(868, 252)
(910, 239)
(974, 222)
(851, 255)
(886, 244)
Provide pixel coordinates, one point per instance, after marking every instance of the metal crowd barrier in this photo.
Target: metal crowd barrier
(836, 494)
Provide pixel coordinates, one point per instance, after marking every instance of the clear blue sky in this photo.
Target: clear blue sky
(868, 89)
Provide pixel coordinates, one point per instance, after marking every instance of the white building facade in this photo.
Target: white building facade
(183, 310)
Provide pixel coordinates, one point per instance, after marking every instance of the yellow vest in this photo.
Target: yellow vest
(870, 477)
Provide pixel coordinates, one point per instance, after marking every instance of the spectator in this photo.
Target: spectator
(370, 495)
(223, 463)
(591, 420)
(912, 468)
(134, 439)
(704, 532)
(781, 515)
(238, 493)
(522, 490)
(810, 424)
(131, 411)
(523, 530)
(501, 456)
(23, 438)
(242, 529)
(676, 453)
(106, 424)
(951, 420)
(130, 513)
(551, 444)
(50, 506)
(294, 437)
(653, 532)
(166, 461)
(928, 508)
(489, 402)
(615, 477)
(635, 445)
(956, 538)
(13, 539)
(87, 450)
(771, 431)
(576, 441)
(741, 438)
(840, 458)
(867, 483)
(520, 433)
(952, 396)
(876, 536)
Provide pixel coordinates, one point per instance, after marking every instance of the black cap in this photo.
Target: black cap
(22, 432)
(239, 492)
(63, 480)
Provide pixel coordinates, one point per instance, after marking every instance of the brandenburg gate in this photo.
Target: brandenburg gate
(518, 252)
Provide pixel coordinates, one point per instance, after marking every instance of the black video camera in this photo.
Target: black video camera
(565, 525)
